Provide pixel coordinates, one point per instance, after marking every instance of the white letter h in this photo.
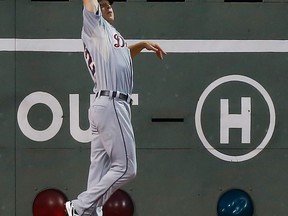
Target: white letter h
(242, 120)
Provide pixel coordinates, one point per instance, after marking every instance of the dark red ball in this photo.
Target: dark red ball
(119, 204)
(49, 202)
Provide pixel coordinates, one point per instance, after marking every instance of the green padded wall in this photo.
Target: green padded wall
(177, 174)
(7, 112)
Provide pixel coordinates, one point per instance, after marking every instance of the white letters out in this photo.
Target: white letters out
(242, 121)
(53, 104)
(57, 119)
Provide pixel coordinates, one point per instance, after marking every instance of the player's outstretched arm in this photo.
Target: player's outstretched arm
(91, 5)
(135, 49)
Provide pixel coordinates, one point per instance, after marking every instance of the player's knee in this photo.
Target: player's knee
(132, 173)
(127, 171)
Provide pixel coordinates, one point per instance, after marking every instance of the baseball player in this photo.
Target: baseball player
(113, 152)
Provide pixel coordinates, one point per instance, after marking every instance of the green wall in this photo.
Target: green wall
(177, 175)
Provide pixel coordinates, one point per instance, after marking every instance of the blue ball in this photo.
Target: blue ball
(235, 202)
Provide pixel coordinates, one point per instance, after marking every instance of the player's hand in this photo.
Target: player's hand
(156, 48)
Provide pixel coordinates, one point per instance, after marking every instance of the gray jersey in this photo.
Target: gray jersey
(107, 55)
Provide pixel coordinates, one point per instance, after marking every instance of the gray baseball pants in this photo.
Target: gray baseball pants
(113, 153)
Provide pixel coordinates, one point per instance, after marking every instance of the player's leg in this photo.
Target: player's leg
(120, 145)
(99, 165)
(99, 162)
(118, 140)
(117, 136)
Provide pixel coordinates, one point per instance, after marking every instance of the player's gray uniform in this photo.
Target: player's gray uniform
(113, 157)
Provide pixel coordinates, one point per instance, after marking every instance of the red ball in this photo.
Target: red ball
(49, 202)
(119, 204)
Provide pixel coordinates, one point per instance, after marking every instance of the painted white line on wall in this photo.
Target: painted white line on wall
(170, 46)
(7, 44)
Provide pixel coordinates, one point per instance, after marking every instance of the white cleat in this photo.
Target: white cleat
(99, 211)
(70, 209)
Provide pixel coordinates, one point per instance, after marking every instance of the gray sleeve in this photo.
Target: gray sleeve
(90, 21)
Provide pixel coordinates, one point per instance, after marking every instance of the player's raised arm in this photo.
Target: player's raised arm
(91, 5)
(135, 49)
